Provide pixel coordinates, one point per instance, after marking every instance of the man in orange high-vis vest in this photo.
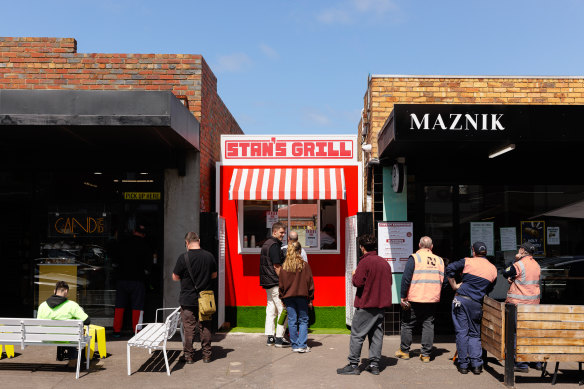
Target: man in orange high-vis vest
(523, 276)
(420, 291)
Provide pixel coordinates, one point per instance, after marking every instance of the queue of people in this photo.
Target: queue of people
(286, 276)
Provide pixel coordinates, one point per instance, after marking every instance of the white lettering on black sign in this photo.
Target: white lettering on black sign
(458, 122)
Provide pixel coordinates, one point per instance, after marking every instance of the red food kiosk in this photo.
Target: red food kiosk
(310, 183)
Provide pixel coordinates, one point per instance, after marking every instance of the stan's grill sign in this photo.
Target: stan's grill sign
(288, 149)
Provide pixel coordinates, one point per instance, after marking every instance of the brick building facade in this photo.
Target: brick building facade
(54, 63)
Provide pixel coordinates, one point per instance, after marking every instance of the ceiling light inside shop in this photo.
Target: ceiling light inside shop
(143, 173)
(502, 151)
(97, 173)
(138, 181)
(90, 184)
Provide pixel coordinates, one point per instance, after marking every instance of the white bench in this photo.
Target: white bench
(42, 332)
(155, 335)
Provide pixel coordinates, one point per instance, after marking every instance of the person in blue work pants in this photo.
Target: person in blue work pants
(478, 279)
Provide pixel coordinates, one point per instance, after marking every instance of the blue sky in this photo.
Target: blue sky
(287, 67)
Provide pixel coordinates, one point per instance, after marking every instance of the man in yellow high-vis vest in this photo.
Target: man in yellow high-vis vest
(420, 291)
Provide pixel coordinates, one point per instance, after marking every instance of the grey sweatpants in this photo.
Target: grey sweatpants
(367, 322)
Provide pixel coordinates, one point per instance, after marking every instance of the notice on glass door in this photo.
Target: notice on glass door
(483, 232)
(271, 218)
(508, 239)
(395, 243)
(553, 235)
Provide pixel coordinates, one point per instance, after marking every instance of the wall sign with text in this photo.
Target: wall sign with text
(78, 224)
(243, 149)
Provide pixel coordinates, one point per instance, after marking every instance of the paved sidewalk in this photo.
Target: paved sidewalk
(243, 360)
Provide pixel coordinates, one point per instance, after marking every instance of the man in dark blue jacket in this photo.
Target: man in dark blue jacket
(478, 279)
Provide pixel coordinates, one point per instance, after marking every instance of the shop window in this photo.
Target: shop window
(315, 221)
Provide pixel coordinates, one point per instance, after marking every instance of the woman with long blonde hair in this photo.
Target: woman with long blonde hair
(297, 293)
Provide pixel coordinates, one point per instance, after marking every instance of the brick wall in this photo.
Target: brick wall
(53, 63)
(385, 91)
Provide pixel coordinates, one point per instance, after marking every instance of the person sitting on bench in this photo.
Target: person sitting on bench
(58, 307)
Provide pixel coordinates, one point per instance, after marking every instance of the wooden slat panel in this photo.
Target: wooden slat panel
(529, 333)
(492, 303)
(550, 357)
(533, 308)
(50, 330)
(54, 323)
(492, 346)
(492, 311)
(575, 317)
(550, 350)
(549, 342)
(10, 329)
(491, 318)
(51, 338)
(492, 326)
(491, 333)
(551, 325)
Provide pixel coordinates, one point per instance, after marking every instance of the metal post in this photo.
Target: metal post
(510, 335)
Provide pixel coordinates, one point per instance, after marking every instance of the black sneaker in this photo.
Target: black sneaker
(271, 341)
(373, 369)
(462, 370)
(281, 342)
(349, 370)
(476, 370)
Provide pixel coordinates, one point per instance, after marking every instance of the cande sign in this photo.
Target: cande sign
(288, 150)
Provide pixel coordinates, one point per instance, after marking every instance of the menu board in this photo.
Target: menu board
(395, 243)
(533, 231)
(483, 232)
(508, 238)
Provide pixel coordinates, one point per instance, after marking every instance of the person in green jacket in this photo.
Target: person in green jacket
(58, 307)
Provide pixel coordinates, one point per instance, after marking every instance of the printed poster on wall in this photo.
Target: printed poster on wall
(395, 243)
(534, 233)
(553, 235)
(271, 218)
(483, 232)
(508, 238)
(311, 238)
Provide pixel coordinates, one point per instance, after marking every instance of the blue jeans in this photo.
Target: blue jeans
(297, 308)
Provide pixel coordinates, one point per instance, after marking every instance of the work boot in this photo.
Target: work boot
(425, 358)
(349, 370)
(521, 369)
(462, 370)
(476, 370)
(373, 369)
(402, 354)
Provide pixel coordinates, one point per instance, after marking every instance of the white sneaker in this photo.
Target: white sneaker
(301, 350)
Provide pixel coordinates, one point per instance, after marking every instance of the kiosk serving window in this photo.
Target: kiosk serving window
(315, 221)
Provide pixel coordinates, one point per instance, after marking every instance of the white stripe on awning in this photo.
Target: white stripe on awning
(288, 184)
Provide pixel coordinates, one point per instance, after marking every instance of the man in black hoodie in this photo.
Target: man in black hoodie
(58, 307)
(271, 259)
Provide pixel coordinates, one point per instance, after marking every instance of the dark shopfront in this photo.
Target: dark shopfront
(79, 169)
(454, 182)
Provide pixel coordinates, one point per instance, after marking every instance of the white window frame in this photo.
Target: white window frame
(309, 250)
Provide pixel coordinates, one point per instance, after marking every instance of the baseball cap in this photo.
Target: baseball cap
(480, 248)
(529, 247)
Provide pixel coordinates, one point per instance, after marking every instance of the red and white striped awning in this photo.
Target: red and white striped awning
(288, 184)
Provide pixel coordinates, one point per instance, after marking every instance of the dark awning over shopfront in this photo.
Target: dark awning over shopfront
(544, 140)
(88, 128)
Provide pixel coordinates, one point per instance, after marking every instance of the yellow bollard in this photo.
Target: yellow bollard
(9, 349)
(99, 333)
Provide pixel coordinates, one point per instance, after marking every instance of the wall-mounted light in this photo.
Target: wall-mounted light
(502, 151)
(366, 147)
